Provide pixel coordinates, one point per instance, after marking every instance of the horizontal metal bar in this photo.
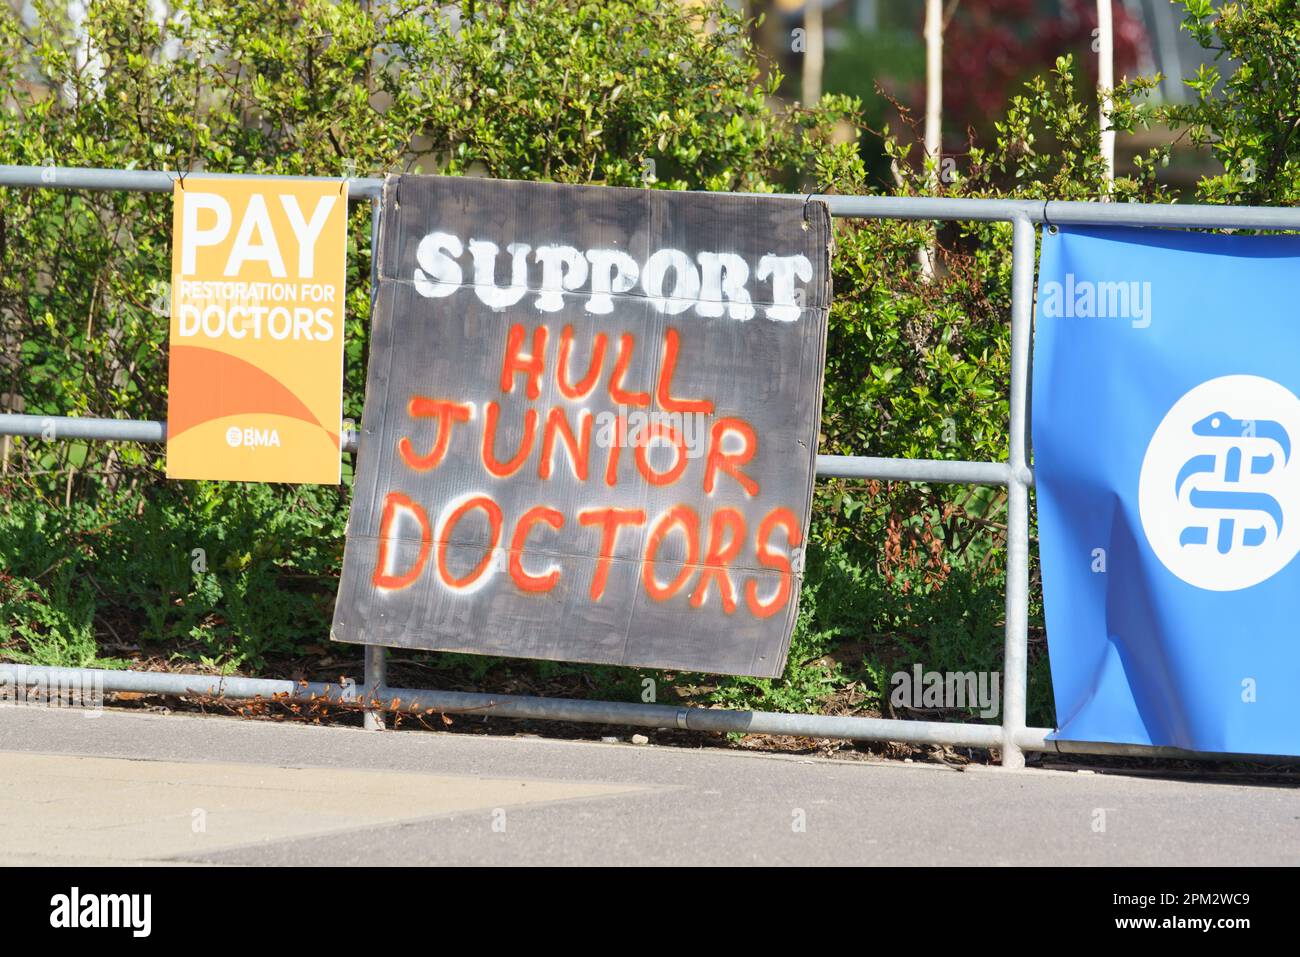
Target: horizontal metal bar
(72, 428)
(1159, 751)
(1061, 212)
(57, 428)
(695, 719)
(14, 678)
(1169, 215)
(62, 428)
(913, 470)
(929, 207)
(152, 181)
(160, 181)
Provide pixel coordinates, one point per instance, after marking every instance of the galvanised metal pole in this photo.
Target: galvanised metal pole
(152, 181)
(18, 682)
(55, 428)
(71, 428)
(376, 656)
(1016, 644)
(940, 471)
(1168, 215)
(717, 720)
(376, 677)
(15, 679)
(1171, 215)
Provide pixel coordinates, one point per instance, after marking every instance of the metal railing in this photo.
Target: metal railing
(1012, 737)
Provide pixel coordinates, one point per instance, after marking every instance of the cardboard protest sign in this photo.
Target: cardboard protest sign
(591, 424)
(255, 378)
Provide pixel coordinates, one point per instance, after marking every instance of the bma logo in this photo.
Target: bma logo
(1219, 493)
(252, 438)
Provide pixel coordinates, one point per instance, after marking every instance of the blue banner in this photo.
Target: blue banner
(1165, 431)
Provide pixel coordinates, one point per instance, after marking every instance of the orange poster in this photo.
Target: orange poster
(255, 383)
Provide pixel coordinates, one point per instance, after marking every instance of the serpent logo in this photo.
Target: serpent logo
(1219, 493)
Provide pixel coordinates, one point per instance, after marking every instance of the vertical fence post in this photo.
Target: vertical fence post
(376, 666)
(375, 680)
(1015, 667)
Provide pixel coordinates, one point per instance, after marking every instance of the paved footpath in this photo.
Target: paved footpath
(184, 789)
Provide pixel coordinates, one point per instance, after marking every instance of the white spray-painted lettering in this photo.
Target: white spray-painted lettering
(714, 284)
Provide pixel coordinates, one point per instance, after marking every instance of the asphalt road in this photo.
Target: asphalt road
(183, 789)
